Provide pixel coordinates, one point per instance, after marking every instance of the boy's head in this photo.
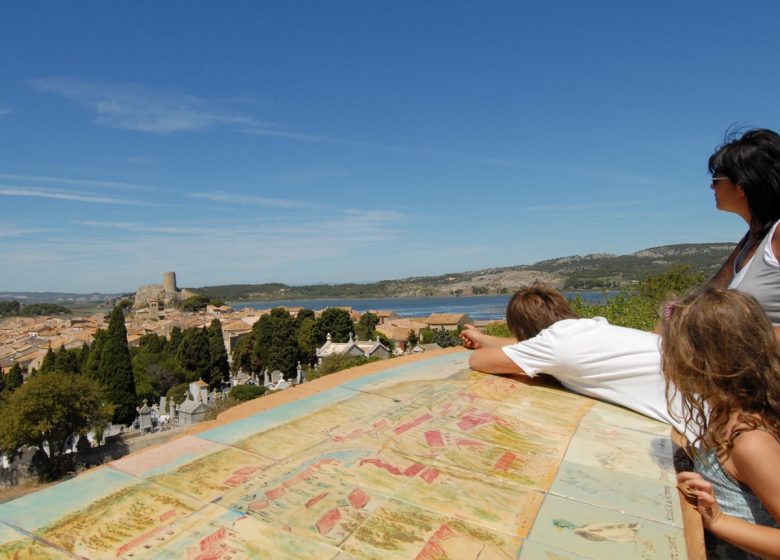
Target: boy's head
(535, 308)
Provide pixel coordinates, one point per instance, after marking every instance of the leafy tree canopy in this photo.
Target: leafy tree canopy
(49, 408)
(335, 321)
(366, 325)
(195, 303)
(15, 377)
(9, 308)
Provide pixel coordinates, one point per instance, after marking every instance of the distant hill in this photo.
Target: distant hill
(65, 298)
(588, 272)
(596, 271)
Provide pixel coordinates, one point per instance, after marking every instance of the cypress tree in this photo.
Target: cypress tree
(48, 364)
(193, 354)
(283, 350)
(92, 361)
(176, 338)
(115, 369)
(220, 369)
(67, 361)
(15, 377)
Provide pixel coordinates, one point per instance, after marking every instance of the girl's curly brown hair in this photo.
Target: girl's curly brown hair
(719, 353)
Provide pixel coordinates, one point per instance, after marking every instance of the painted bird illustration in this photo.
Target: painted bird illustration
(613, 532)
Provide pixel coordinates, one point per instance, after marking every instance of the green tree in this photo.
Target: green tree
(242, 354)
(366, 325)
(49, 408)
(67, 361)
(283, 347)
(194, 354)
(9, 308)
(445, 338)
(195, 303)
(675, 281)
(639, 309)
(497, 329)
(175, 341)
(155, 368)
(92, 363)
(306, 350)
(337, 362)
(115, 370)
(152, 343)
(48, 364)
(243, 393)
(220, 368)
(427, 336)
(15, 377)
(178, 393)
(262, 333)
(335, 321)
(304, 314)
(412, 339)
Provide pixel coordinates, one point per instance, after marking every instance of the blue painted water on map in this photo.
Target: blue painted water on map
(479, 308)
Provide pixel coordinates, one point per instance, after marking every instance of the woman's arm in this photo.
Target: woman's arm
(725, 273)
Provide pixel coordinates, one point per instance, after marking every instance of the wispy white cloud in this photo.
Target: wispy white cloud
(316, 173)
(244, 199)
(66, 195)
(144, 228)
(10, 230)
(132, 107)
(77, 182)
(292, 135)
(133, 160)
(450, 154)
(586, 206)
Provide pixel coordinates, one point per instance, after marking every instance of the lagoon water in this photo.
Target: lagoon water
(479, 308)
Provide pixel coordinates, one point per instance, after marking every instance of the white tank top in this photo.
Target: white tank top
(760, 277)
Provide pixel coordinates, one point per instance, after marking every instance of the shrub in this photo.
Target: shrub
(497, 329)
(639, 309)
(243, 393)
(337, 362)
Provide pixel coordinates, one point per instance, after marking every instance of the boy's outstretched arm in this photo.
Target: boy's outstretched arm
(492, 359)
(473, 338)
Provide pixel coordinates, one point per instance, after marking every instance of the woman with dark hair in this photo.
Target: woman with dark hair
(746, 180)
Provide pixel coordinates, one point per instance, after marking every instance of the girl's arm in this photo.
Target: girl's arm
(754, 461)
(756, 539)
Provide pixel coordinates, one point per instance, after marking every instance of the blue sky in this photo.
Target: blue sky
(306, 142)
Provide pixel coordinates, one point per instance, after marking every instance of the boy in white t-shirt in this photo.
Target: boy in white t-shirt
(587, 356)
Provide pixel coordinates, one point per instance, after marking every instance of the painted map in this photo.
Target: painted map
(424, 460)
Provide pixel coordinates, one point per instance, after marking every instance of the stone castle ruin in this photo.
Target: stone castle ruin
(160, 296)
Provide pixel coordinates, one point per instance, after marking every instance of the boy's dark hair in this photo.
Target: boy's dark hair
(534, 308)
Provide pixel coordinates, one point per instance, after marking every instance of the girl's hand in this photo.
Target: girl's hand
(700, 494)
